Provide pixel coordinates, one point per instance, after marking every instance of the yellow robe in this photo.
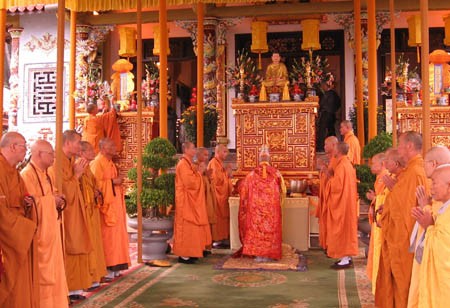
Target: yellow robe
(394, 274)
(53, 284)
(77, 242)
(223, 187)
(19, 286)
(276, 75)
(354, 150)
(113, 213)
(435, 267)
(211, 205)
(373, 259)
(191, 226)
(413, 296)
(97, 256)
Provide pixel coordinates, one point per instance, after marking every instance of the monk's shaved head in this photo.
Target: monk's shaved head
(342, 148)
(105, 142)
(440, 189)
(379, 157)
(86, 146)
(332, 139)
(347, 124)
(221, 152)
(10, 138)
(186, 145)
(412, 137)
(440, 154)
(394, 155)
(41, 145)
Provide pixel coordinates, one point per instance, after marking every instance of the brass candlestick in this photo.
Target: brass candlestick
(241, 81)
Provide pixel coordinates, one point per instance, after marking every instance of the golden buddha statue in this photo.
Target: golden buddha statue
(276, 73)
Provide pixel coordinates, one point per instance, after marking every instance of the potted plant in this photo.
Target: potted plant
(157, 197)
(189, 122)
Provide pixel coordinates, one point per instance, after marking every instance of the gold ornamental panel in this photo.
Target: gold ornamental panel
(128, 132)
(410, 118)
(288, 128)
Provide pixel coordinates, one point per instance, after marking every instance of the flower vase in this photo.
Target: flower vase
(274, 97)
(297, 97)
(252, 98)
(310, 92)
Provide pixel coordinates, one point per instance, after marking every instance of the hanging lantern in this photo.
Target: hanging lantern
(414, 33)
(259, 39)
(127, 39)
(447, 30)
(157, 40)
(310, 34)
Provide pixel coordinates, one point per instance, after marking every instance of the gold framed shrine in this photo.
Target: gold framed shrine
(128, 133)
(410, 118)
(289, 128)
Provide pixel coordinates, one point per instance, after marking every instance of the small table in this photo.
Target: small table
(296, 222)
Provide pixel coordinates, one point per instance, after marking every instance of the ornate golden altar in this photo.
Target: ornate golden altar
(410, 118)
(127, 125)
(289, 128)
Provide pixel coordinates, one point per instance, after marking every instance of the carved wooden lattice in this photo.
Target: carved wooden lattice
(410, 118)
(288, 129)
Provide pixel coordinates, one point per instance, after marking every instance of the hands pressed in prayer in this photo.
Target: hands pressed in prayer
(60, 201)
(422, 198)
(389, 182)
(424, 218)
(79, 166)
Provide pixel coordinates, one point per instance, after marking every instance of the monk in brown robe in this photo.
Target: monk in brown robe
(19, 285)
(96, 127)
(53, 283)
(77, 242)
(437, 156)
(93, 200)
(191, 227)
(396, 261)
(210, 193)
(342, 233)
(326, 171)
(223, 187)
(354, 151)
(113, 213)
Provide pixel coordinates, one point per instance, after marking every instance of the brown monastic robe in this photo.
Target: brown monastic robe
(19, 286)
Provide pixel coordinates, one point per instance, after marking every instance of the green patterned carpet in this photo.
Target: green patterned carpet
(201, 286)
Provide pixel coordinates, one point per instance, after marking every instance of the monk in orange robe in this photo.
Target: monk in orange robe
(434, 158)
(93, 200)
(113, 213)
(223, 187)
(19, 283)
(210, 192)
(377, 198)
(261, 195)
(191, 227)
(325, 172)
(394, 274)
(77, 241)
(96, 127)
(53, 283)
(342, 236)
(354, 151)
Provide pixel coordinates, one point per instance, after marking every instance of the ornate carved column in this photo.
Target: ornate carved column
(14, 77)
(209, 60)
(221, 99)
(88, 40)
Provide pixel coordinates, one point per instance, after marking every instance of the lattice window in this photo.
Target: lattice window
(40, 92)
